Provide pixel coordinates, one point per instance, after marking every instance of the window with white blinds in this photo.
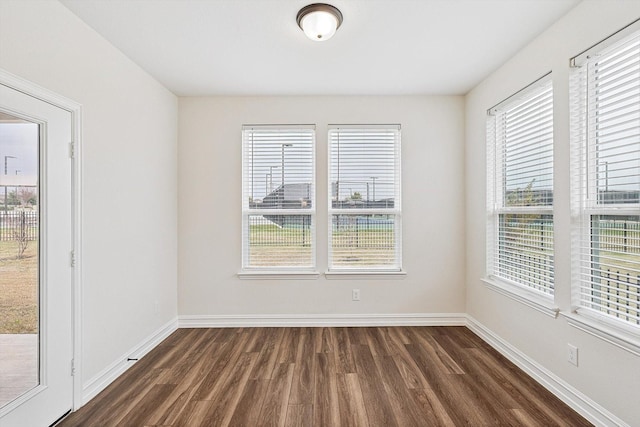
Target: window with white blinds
(364, 198)
(605, 138)
(278, 198)
(520, 189)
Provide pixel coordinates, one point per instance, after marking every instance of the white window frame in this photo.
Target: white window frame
(278, 272)
(521, 292)
(584, 200)
(382, 272)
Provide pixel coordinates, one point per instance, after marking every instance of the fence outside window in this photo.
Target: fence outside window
(615, 251)
(23, 222)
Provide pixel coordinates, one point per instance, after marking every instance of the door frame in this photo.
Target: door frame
(75, 152)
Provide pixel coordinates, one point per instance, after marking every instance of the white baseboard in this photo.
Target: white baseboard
(565, 392)
(311, 320)
(99, 382)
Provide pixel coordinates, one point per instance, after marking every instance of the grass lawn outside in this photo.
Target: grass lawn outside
(18, 289)
(291, 246)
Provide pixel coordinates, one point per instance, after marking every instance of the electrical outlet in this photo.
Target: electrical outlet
(355, 295)
(572, 354)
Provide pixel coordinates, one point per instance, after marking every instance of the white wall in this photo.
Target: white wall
(210, 207)
(606, 374)
(130, 173)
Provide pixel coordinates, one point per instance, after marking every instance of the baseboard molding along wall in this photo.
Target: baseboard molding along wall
(108, 375)
(582, 404)
(331, 320)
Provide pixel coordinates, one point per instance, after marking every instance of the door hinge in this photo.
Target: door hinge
(73, 258)
(72, 149)
(73, 367)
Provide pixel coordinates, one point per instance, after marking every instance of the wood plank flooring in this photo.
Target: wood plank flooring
(398, 376)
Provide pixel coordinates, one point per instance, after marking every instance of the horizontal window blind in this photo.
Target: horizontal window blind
(614, 124)
(610, 270)
(364, 198)
(525, 250)
(605, 133)
(520, 183)
(278, 197)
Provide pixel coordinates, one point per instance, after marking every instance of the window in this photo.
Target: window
(605, 133)
(364, 198)
(520, 189)
(278, 198)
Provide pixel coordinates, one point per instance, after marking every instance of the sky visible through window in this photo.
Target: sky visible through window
(278, 156)
(366, 171)
(528, 149)
(616, 126)
(363, 165)
(20, 154)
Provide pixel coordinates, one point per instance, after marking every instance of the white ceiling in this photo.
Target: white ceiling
(384, 47)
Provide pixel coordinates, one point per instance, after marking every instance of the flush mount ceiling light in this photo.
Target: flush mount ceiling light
(319, 21)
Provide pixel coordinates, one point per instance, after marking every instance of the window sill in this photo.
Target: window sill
(278, 275)
(622, 336)
(538, 302)
(339, 275)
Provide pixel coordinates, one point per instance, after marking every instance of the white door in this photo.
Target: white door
(36, 240)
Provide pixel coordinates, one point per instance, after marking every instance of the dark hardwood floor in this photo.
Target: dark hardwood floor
(397, 376)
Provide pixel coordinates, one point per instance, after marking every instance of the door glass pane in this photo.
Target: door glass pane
(19, 257)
